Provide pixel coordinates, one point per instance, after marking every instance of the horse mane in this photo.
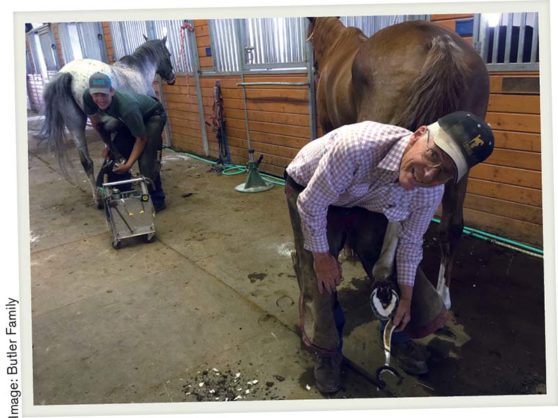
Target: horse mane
(438, 89)
(149, 51)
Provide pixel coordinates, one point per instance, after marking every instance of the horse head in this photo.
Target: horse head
(165, 69)
(324, 33)
(164, 64)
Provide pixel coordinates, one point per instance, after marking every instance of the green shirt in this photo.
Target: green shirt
(130, 108)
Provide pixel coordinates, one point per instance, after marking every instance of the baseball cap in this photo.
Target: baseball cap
(465, 137)
(99, 83)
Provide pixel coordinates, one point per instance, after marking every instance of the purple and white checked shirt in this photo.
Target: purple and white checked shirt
(358, 165)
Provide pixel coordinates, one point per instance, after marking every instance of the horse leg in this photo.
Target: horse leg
(451, 229)
(76, 125)
(87, 164)
(383, 268)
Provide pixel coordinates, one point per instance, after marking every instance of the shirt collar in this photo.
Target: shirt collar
(392, 160)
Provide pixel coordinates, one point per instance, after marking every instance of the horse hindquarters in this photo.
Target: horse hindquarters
(61, 110)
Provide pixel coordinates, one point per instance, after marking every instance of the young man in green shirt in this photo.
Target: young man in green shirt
(138, 138)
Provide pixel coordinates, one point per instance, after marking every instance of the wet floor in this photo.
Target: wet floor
(213, 299)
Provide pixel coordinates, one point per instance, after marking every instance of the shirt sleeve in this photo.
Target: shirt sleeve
(409, 249)
(133, 119)
(332, 177)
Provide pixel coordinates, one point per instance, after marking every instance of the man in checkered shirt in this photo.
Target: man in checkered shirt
(347, 185)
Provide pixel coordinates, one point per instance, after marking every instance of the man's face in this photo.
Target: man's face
(424, 164)
(103, 100)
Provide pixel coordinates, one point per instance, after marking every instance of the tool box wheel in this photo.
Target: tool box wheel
(149, 238)
(116, 244)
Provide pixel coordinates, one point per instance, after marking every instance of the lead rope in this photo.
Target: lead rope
(186, 26)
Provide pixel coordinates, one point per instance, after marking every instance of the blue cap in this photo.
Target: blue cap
(99, 83)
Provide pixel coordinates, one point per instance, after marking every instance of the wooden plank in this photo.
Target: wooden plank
(448, 24)
(496, 79)
(518, 159)
(283, 140)
(185, 99)
(206, 62)
(186, 119)
(508, 192)
(201, 30)
(274, 128)
(514, 122)
(437, 17)
(507, 175)
(512, 210)
(288, 93)
(514, 103)
(283, 107)
(517, 141)
(203, 41)
(186, 130)
(185, 107)
(270, 117)
(521, 231)
(182, 113)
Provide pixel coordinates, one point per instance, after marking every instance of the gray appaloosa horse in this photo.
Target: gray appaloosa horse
(63, 97)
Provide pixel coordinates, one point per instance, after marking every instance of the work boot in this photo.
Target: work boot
(411, 357)
(327, 372)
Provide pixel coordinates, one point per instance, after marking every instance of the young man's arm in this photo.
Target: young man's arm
(138, 148)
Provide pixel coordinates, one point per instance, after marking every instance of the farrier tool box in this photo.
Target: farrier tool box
(129, 210)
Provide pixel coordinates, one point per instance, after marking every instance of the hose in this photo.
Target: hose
(233, 170)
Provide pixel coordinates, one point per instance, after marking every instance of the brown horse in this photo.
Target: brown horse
(409, 75)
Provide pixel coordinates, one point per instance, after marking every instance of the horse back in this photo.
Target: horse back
(414, 72)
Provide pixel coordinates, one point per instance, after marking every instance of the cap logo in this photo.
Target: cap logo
(475, 142)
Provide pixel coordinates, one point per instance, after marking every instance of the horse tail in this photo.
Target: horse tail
(439, 86)
(57, 97)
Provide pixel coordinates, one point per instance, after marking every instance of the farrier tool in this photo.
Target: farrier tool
(383, 301)
(388, 331)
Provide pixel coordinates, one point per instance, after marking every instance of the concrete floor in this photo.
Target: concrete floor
(215, 295)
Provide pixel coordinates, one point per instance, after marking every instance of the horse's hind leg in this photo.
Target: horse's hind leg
(76, 125)
(451, 229)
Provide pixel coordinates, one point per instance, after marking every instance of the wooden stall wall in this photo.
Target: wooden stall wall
(278, 117)
(504, 195)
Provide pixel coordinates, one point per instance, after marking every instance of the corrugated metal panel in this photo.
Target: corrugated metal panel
(46, 43)
(66, 42)
(127, 36)
(272, 41)
(508, 41)
(224, 44)
(179, 42)
(89, 40)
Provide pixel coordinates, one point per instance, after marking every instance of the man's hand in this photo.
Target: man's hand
(403, 312)
(121, 168)
(328, 272)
